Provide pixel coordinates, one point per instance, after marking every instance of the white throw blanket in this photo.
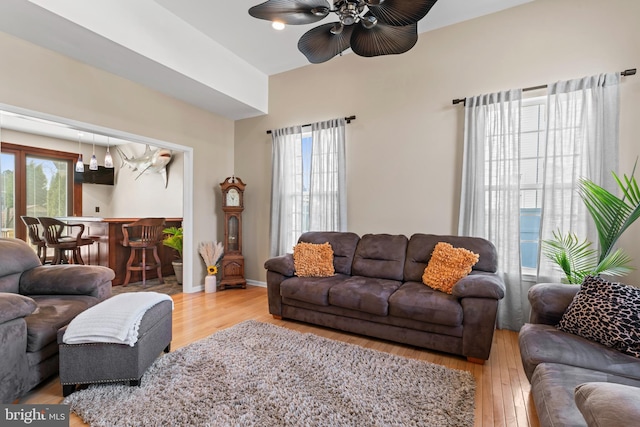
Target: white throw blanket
(115, 320)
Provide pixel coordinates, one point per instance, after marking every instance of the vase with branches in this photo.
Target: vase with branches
(612, 216)
(211, 253)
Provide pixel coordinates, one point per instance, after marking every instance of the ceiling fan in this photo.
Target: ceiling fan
(368, 27)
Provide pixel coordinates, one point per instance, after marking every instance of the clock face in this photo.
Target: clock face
(233, 197)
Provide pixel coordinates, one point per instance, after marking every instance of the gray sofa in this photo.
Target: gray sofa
(35, 301)
(575, 381)
(378, 291)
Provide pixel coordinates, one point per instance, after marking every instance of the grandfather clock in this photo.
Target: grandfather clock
(232, 264)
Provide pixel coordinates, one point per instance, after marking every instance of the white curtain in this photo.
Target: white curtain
(327, 192)
(327, 200)
(286, 189)
(490, 201)
(581, 142)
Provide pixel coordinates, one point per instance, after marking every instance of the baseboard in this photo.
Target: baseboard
(249, 282)
(257, 283)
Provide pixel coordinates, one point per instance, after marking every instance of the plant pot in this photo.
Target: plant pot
(177, 268)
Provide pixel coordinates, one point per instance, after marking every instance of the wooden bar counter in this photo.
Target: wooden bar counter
(107, 249)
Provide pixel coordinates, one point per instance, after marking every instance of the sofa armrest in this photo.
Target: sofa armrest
(608, 404)
(283, 265)
(15, 306)
(67, 280)
(479, 285)
(549, 301)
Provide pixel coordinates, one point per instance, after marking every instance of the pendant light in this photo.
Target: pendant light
(93, 163)
(108, 160)
(79, 163)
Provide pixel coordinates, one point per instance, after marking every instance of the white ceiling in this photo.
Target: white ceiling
(209, 53)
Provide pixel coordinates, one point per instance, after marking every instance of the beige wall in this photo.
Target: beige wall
(144, 195)
(405, 148)
(41, 80)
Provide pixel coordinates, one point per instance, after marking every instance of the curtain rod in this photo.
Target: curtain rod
(629, 72)
(347, 119)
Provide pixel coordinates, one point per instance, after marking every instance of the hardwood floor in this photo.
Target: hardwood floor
(503, 395)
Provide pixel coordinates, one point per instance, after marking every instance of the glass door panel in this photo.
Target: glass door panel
(47, 190)
(7, 195)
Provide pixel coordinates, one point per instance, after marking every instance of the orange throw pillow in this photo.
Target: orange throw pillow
(448, 265)
(313, 259)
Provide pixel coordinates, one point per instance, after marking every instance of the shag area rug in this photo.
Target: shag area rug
(169, 287)
(258, 374)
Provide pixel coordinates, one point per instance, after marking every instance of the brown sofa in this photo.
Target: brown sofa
(35, 301)
(378, 291)
(575, 381)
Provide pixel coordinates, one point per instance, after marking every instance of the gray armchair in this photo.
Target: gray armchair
(35, 301)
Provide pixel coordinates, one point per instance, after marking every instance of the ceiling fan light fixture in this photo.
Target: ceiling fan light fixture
(277, 25)
(389, 27)
(349, 12)
(320, 11)
(369, 21)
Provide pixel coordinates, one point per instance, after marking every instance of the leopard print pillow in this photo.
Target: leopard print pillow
(605, 312)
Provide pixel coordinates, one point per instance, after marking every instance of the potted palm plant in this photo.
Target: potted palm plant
(612, 216)
(173, 239)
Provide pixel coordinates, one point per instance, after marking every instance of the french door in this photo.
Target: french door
(35, 182)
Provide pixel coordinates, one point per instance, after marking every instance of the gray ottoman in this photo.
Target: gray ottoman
(106, 362)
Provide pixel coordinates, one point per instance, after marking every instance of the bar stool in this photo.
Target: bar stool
(35, 236)
(142, 235)
(53, 229)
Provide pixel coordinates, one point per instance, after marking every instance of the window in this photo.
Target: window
(532, 122)
(308, 183)
(306, 179)
(35, 182)
(522, 163)
(533, 116)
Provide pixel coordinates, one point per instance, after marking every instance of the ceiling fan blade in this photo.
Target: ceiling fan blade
(383, 39)
(400, 12)
(291, 12)
(320, 44)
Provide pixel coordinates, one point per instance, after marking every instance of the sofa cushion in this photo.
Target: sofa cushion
(448, 265)
(367, 294)
(343, 245)
(608, 404)
(66, 279)
(413, 300)
(314, 290)
(607, 313)
(53, 313)
(545, 343)
(421, 247)
(553, 388)
(380, 256)
(313, 259)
